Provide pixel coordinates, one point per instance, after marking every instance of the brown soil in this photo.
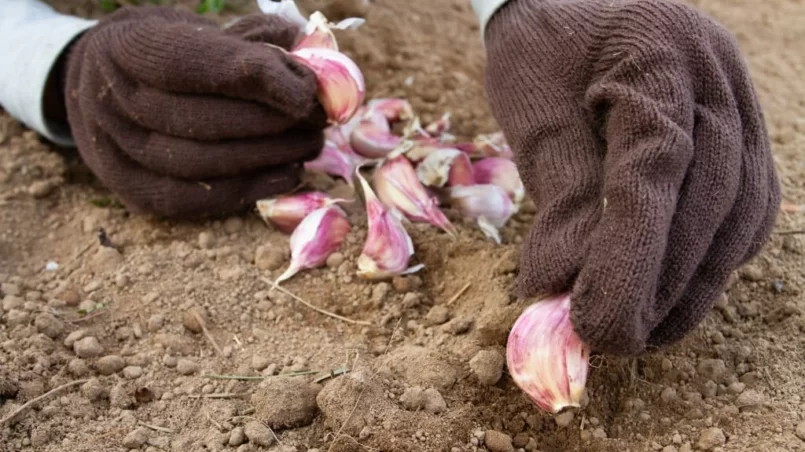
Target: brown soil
(411, 385)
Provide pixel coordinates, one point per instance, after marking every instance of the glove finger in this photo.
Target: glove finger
(144, 191)
(269, 28)
(650, 148)
(199, 117)
(192, 59)
(192, 159)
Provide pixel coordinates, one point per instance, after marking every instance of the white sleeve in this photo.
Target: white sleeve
(484, 9)
(33, 37)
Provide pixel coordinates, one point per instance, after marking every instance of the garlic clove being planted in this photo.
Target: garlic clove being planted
(337, 157)
(445, 166)
(545, 356)
(501, 172)
(372, 136)
(488, 205)
(397, 185)
(341, 87)
(286, 212)
(318, 31)
(388, 246)
(317, 236)
(392, 108)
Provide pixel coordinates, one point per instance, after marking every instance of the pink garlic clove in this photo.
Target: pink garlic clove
(397, 185)
(392, 109)
(439, 127)
(501, 172)
(286, 212)
(492, 145)
(341, 87)
(546, 357)
(317, 236)
(372, 136)
(337, 158)
(445, 167)
(488, 205)
(388, 246)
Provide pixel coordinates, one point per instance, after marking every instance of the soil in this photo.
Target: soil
(147, 325)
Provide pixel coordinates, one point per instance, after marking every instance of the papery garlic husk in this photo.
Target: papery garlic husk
(501, 172)
(317, 236)
(286, 9)
(422, 147)
(337, 158)
(388, 246)
(445, 167)
(286, 212)
(372, 136)
(341, 87)
(546, 357)
(492, 145)
(488, 205)
(392, 108)
(439, 127)
(318, 31)
(397, 185)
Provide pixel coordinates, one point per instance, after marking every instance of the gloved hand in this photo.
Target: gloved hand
(181, 118)
(639, 136)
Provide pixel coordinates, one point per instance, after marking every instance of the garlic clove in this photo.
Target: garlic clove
(317, 236)
(392, 108)
(501, 172)
(318, 31)
(286, 212)
(337, 158)
(488, 205)
(341, 87)
(388, 246)
(372, 136)
(445, 166)
(545, 356)
(397, 185)
(439, 127)
(492, 145)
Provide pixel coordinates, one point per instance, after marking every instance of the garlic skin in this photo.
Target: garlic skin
(341, 87)
(488, 205)
(439, 127)
(546, 358)
(286, 212)
(501, 172)
(492, 145)
(388, 246)
(445, 166)
(337, 158)
(397, 185)
(392, 108)
(317, 236)
(318, 31)
(372, 136)
(286, 9)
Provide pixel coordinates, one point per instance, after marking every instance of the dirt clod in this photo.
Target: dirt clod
(258, 433)
(136, 438)
(87, 347)
(186, 366)
(285, 402)
(191, 317)
(237, 436)
(438, 315)
(110, 364)
(800, 431)
(498, 441)
(710, 438)
(268, 257)
(488, 366)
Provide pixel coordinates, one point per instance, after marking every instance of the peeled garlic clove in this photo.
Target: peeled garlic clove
(317, 236)
(501, 172)
(488, 205)
(318, 31)
(286, 212)
(492, 145)
(546, 358)
(445, 166)
(337, 157)
(388, 246)
(284, 8)
(341, 87)
(399, 188)
(393, 109)
(439, 127)
(372, 136)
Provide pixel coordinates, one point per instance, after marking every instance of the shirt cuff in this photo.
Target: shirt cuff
(484, 10)
(33, 45)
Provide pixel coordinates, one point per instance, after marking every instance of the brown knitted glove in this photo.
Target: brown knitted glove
(639, 136)
(183, 119)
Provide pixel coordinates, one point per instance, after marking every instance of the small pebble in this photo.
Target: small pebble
(380, 292)
(206, 240)
(47, 324)
(434, 402)
(155, 322)
(749, 399)
(132, 372)
(78, 367)
(233, 225)
(667, 365)
(87, 347)
(136, 438)
(800, 431)
(334, 260)
(258, 433)
(752, 273)
(260, 362)
(110, 364)
(268, 257)
(599, 433)
(668, 394)
(191, 317)
(498, 441)
(488, 366)
(186, 366)
(438, 315)
(121, 280)
(401, 284)
(411, 300)
(710, 438)
(237, 436)
(564, 418)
